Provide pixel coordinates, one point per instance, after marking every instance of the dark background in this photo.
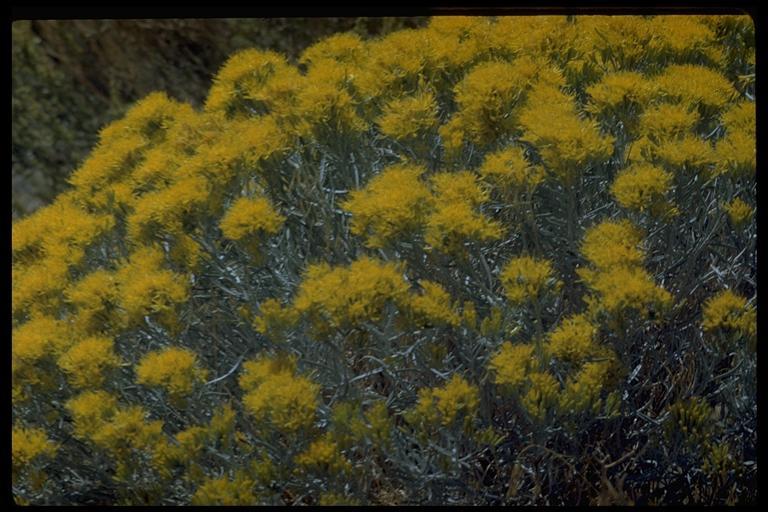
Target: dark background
(72, 77)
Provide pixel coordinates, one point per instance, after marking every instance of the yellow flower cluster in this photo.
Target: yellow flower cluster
(245, 77)
(41, 336)
(95, 296)
(739, 213)
(509, 170)
(487, 95)
(44, 250)
(613, 243)
(87, 361)
(393, 203)
(692, 419)
(91, 410)
(643, 187)
(616, 91)
(128, 430)
(274, 319)
(566, 142)
(351, 427)
(728, 312)
(226, 491)
(542, 394)
(338, 296)
(582, 391)
(250, 217)
(455, 218)
(434, 305)
(146, 287)
(695, 86)
(175, 369)
(736, 151)
(512, 363)
(276, 396)
(574, 339)
(29, 444)
(323, 456)
(525, 279)
(618, 278)
(456, 400)
(410, 118)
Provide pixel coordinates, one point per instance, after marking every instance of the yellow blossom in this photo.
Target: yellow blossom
(342, 48)
(91, 410)
(512, 363)
(583, 390)
(226, 491)
(175, 369)
(738, 212)
(642, 187)
(566, 142)
(126, 429)
(510, 170)
(393, 203)
(695, 85)
(444, 405)
(278, 398)
(622, 288)
(410, 117)
(434, 304)
(349, 295)
(323, 456)
(729, 312)
(86, 362)
(248, 217)
(28, 444)
(612, 243)
(526, 278)
(667, 120)
(542, 394)
(573, 340)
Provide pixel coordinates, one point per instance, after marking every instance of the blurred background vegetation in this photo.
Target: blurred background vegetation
(71, 77)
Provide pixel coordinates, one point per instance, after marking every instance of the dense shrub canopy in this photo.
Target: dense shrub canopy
(491, 261)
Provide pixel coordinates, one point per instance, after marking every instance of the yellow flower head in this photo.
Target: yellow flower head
(345, 48)
(434, 304)
(86, 362)
(410, 117)
(566, 142)
(667, 120)
(617, 89)
(642, 187)
(512, 363)
(612, 243)
(542, 394)
(443, 405)
(525, 279)
(348, 295)
(226, 491)
(28, 444)
(91, 410)
(739, 213)
(510, 170)
(324, 456)
(248, 217)
(393, 203)
(728, 311)
(583, 390)
(573, 340)
(695, 85)
(175, 369)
